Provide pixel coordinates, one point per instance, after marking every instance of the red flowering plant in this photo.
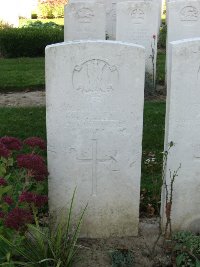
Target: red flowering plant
(23, 182)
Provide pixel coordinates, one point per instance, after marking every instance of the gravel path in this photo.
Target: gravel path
(22, 99)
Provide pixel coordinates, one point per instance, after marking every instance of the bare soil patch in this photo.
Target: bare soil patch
(97, 252)
(37, 98)
(22, 99)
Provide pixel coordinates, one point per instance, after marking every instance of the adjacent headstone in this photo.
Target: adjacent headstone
(9, 12)
(95, 92)
(182, 128)
(183, 19)
(84, 21)
(137, 22)
(183, 22)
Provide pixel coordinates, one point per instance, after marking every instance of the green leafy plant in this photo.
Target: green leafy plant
(40, 24)
(26, 238)
(122, 258)
(187, 249)
(54, 246)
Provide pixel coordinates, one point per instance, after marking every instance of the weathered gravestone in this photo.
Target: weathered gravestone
(183, 20)
(110, 8)
(95, 92)
(158, 5)
(182, 128)
(84, 21)
(137, 22)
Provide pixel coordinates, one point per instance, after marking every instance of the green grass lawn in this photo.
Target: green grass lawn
(25, 122)
(17, 74)
(153, 142)
(160, 79)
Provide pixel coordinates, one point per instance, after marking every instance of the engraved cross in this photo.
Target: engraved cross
(94, 160)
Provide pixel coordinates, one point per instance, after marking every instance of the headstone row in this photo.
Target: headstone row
(134, 21)
(111, 13)
(95, 94)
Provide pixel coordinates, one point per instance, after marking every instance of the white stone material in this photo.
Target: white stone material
(9, 12)
(183, 19)
(84, 21)
(95, 92)
(158, 4)
(110, 6)
(137, 22)
(110, 9)
(183, 22)
(182, 128)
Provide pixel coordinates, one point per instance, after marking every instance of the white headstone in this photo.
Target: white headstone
(183, 19)
(9, 12)
(95, 92)
(158, 4)
(137, 22)
(182, 128)
(110, 6)
(183, 22)
(84, 21)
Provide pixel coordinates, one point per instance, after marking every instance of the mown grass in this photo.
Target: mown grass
(160, 79)
(153, 143)
(25, 122)
(17, 74)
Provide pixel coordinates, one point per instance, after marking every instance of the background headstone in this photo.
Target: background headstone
(95, 94)
(183, 22)
(183, 19)
(84, 21)
(182, 128)
(110, 7)
(137, 22)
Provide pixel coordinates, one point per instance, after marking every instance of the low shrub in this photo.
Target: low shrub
(41, 25)
(187, 249)
(28, 42)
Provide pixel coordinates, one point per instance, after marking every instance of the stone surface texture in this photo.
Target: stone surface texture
(183, 19)
(182, 128)
(137, 22)
(110, 8)
(95, 93)
(84, 21)
(183, 22)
